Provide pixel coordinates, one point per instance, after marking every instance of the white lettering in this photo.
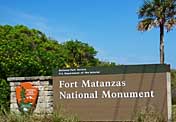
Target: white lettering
(61, 83)
(109, 94)
(88, 83)
(67, 84)
(85, 83)
(78, 95)
(106, 94)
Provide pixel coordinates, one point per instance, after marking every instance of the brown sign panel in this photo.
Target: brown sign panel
(98, 95)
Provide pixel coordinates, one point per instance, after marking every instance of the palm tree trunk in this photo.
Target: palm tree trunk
(161, 43)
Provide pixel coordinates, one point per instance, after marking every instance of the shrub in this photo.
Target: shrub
(174, 96)
(149, 114)
(4, 95)
(173, 79)
(174, 113)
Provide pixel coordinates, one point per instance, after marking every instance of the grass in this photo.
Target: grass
(151, 115)
(13, 117)
(147, 115)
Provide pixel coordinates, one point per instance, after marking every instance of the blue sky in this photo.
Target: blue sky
(107, 25)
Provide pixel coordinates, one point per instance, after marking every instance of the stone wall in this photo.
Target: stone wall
(45, 98)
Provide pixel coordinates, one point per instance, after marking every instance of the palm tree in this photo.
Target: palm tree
(157, 13)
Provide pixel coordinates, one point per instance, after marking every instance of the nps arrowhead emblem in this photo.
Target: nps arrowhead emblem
(26, 96)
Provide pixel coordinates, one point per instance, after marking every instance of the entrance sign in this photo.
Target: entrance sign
(26, 96)
(113, 93)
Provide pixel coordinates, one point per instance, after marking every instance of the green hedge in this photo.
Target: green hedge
(4, 95)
